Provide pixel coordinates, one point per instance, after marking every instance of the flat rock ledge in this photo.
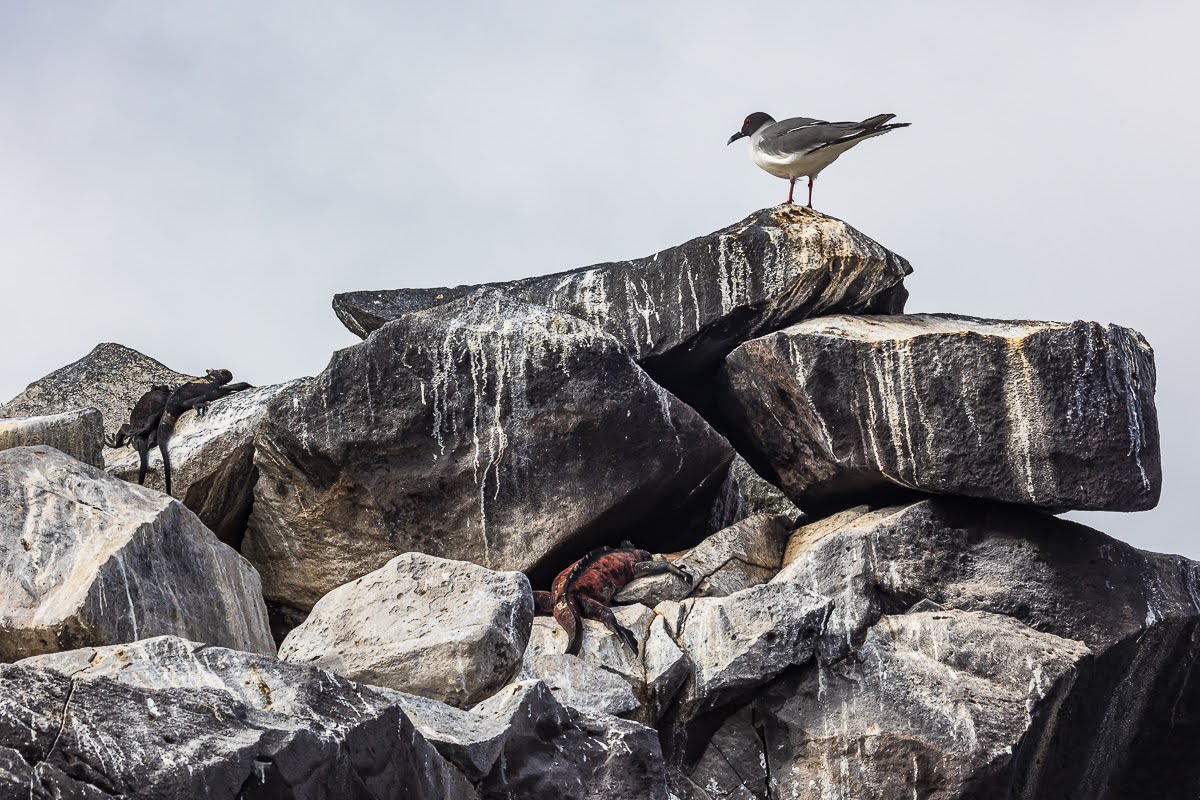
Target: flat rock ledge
(78, 433)
(843, 410)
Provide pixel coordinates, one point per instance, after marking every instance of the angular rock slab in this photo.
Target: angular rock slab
(933, 705)
(78, 433)
(606, 676)
(110, 378)
(87, 559)
(212, 460)
(488, 430)
(681, 310)
(523, 742)
(448, 630)
(745, 554)
(1130, 723)
(165, 717)
(846, 409)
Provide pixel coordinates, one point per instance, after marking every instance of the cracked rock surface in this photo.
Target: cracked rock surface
(166, 717)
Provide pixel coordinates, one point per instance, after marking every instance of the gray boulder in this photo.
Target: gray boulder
(449, 630)
(973, 650)
(841, 410)
(110, 378)
(679, 311)
(166, 717)
(78, 433)
(212, 459)
(487, 430)
(933, 704)
(607, 677)
(91, 560)
(745, 554)
(524, 743)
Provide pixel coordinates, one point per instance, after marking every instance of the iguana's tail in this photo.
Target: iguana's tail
(566, 613)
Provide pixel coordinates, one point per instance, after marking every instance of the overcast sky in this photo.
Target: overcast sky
(196, 181)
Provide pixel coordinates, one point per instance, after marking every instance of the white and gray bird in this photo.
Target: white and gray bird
(801, 147)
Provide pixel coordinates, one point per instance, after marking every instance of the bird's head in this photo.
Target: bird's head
(752, 124)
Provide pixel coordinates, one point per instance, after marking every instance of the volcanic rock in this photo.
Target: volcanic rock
(487, 430)
(87, 559)
(78, 433)
(523, 742)
(166, 717)
(449, 630)
(680, 311)
(111, 378)
(745, 554)
(843, 410)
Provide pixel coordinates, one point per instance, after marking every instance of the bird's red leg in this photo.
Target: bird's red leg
(791, 188)
(810, 180)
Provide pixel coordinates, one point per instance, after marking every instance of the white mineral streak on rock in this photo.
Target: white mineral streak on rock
(1021, 404)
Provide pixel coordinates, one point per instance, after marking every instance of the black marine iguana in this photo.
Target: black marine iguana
(195, 394)
(143, 419)
(585, 588)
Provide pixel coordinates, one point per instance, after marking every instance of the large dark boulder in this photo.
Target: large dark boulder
(680, 311)
(842, 410)
(486, 430)
(168, 718)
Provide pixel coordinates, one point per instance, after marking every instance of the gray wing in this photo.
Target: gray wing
(804, 135)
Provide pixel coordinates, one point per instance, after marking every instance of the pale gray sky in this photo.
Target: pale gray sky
(196, 181)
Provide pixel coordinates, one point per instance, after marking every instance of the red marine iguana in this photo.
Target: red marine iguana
(585, 588)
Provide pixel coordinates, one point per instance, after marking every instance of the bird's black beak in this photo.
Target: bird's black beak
(735, 137)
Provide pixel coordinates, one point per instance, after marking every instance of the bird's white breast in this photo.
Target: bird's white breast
(793, 165)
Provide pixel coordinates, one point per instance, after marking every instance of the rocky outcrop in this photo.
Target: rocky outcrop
(447, 630)
(933, 704)
(212, 459)
(523, 743)
(166, 717)
(88, 560)
(1037, 658)
(110, 378)
(78, 433)
(745, 554)
(843, 409)
(486, 430)
(678, 312)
